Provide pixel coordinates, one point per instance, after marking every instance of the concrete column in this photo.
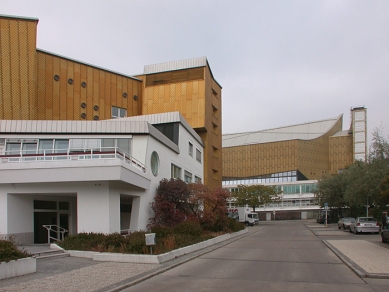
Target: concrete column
(98, 210)
(3, 214)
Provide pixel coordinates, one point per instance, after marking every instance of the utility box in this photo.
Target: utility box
(150, 238)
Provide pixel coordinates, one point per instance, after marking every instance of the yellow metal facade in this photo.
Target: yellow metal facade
(39, 85)
(69, 90)
(313, 158)
(18, 68)
(197, 96)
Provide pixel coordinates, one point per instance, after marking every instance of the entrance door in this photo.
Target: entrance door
(40, 219)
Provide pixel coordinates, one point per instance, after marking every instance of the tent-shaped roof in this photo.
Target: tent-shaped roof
(306, 131)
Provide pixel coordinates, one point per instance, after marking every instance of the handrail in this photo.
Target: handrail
(58, 229)
(71, 154)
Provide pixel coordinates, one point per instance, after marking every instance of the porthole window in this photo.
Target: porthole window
(154, 163)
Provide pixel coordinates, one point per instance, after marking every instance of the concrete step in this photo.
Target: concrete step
(48, 254)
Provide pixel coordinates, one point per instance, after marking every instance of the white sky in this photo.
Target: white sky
(279, 62)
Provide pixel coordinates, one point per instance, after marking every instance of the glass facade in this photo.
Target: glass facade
(287, 176)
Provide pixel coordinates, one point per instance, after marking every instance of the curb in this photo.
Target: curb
(353, 266)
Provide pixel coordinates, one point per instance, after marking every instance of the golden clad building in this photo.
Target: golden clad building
(294, 153)
(39, 85)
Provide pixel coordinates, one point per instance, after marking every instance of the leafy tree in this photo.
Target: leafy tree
(215, 210)
(362, 184)
(176, 202)
(170, 204)
(256, 195)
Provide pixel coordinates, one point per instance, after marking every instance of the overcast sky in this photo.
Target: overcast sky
(279, 62)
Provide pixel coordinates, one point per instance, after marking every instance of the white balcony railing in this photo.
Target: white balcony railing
(47, 155)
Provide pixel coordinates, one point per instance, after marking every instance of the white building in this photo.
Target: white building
(297, 199)
(90, 176)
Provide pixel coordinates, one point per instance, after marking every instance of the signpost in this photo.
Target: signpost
(150, 241)
(326, 208)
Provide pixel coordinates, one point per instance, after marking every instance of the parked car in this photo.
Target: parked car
(385, 236)
(345, 222)
(321, 218)
(365, 224)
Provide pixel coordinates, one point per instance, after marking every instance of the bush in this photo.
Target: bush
(162, 231)
(136, 243)
(235, 226)
(9, 251)
(190, 227)
(83, 241)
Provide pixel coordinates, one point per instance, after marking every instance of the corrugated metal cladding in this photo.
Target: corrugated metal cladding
(307, 131)
(18, 68)
(175, 65)
(102, 127)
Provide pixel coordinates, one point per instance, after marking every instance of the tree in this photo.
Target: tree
(362, 185)
(170, 204)
(256, 195)
(177, 201)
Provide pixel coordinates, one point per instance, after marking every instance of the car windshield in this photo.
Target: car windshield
(366, 219)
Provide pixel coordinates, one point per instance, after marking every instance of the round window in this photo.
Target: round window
(154, 163)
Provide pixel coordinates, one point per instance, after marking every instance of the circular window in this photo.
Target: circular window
(154, 163)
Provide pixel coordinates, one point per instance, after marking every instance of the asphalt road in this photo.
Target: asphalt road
(275, 256)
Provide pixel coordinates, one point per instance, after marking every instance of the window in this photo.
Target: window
(187, 177)
(190, 149)
(175, 171)
(198, 155)
(118, 112)
(197, 179)
(154, 163)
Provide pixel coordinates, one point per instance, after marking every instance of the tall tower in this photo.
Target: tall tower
(359, 130)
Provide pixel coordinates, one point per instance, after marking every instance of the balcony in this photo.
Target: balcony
(69, 154)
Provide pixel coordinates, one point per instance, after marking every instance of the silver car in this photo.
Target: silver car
(345, 222)
(365, 224)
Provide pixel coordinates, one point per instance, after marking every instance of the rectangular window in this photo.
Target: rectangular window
(187, 177)
(190, 149)
(118, 112)
(198, 155)
(175, 171)
(197, 179)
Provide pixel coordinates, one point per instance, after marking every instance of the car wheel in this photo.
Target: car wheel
(344, 227)
(339, 227)
(247, 223)
(349, 230)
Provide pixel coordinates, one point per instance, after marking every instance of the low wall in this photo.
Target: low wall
(17, 268)
(152, 259)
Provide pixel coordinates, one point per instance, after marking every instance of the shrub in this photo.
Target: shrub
(135, 242)
(9, 251)
(84, 241)
(190, 227)
(114, 240)
(234, 225)
(162, 231)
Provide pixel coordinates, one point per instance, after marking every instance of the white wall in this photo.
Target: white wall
(3, 213)
(20, 213)
(92, 209)
(141, 209)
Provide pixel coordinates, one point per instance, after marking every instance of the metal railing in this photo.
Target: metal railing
(58, 230)
(46, 155)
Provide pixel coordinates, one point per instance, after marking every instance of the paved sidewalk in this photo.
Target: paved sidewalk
(365, 258)
(80, 274)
